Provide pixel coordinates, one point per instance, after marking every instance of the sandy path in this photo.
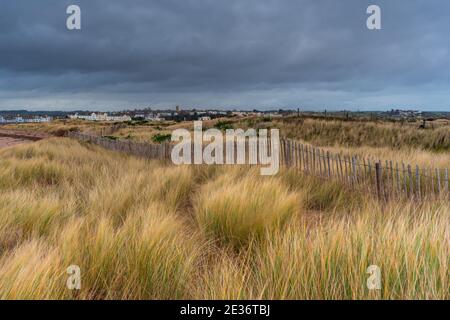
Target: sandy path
(8, 142)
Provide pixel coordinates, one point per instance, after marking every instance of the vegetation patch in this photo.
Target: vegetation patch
(161, 137)
(141, 229)
(111, 137)
(223, 125)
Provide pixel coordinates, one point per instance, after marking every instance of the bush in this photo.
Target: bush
(111, 137)
(160, 138)
(223, 125)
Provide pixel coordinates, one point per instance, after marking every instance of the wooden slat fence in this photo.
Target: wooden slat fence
(145, 150)
(388, 179)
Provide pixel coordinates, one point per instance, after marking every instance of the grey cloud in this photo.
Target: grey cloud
(232, 53)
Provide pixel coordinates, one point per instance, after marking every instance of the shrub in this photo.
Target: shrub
(160, 138)
(223, 125)
(111, 137)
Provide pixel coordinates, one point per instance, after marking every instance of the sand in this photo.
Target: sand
(8, 142)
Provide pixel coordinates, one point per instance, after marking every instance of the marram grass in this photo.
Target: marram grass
(146, 230)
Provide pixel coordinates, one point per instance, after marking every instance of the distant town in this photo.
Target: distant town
(179, 114)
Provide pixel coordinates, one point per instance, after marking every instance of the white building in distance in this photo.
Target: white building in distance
(101, 117)
(20, 119)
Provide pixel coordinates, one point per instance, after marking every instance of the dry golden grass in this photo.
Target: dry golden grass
(229, 209)
(331, 132)
(134, 131)
(414, 156)
(398, 142)
(384, 140)
(146, 230)
(329, 260)
(436, 137)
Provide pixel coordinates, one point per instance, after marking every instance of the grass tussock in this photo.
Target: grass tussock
(145, 230)
(330, 261)
(236, 211)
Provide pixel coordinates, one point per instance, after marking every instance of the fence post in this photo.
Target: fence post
(302, 162)
(340, 168)
(404, 179)
(397, 175)
(378, 180)
(365, 168)
(324, 164)
(418, 181)
(438, 176)
(313, 155)
(288, 153)
(337, 167)
(286, 150)
(281, 152)
(446, 181)
(347, 174)
(292, 153)
(320, 161)
(307, 158)
(302, 156)
(431, 180)
(353, 166)
(411, 183)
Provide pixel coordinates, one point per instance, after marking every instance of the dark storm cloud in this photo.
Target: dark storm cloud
(226, 53)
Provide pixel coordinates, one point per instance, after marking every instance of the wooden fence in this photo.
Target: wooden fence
(145, 150)
(387, 179)
(112, 129)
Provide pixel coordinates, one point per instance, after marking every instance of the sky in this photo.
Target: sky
(243, 54)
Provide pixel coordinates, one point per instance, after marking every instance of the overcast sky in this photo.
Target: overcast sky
(263, 54)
